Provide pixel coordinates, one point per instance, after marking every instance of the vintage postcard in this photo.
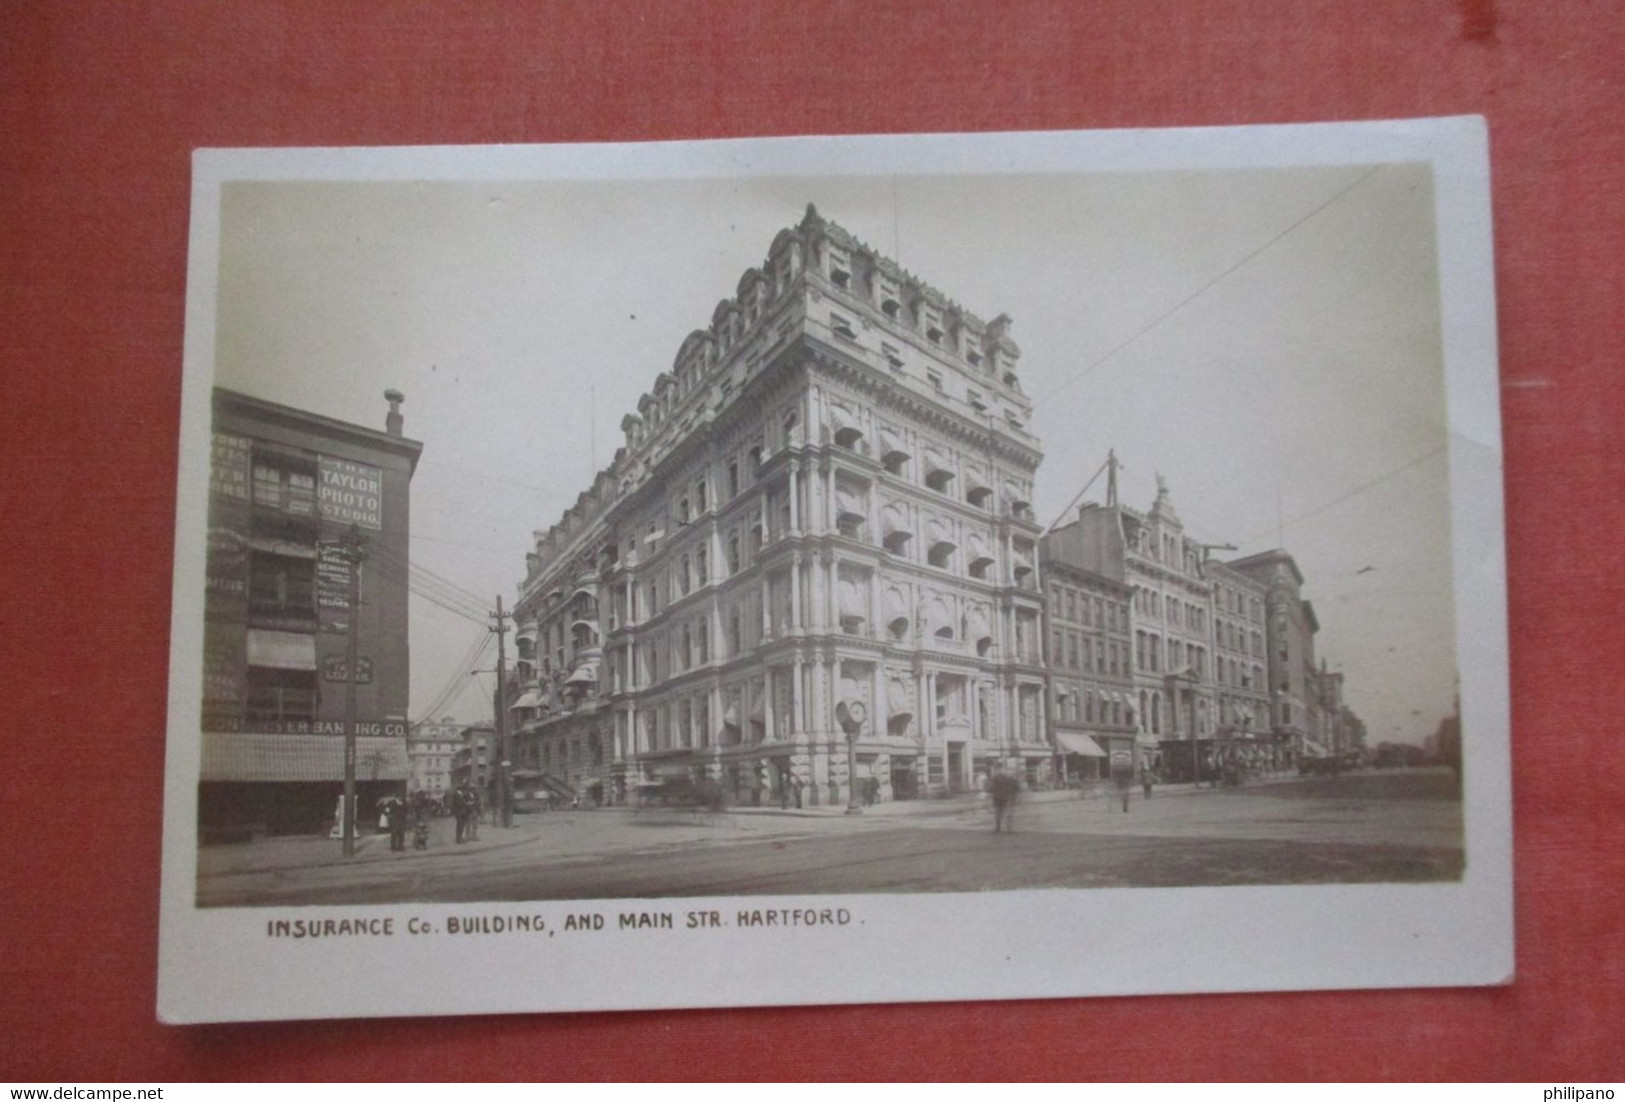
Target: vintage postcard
(822, 570)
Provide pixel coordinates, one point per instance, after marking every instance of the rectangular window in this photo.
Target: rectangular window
(286, 483)
(282, 588)
(281, 696)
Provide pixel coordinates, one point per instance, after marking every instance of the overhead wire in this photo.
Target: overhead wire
(1204, 288)
(1356, 491)
(428, 577)
(431, 587)
(457, 682)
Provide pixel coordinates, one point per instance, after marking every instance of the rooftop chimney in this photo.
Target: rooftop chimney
(393, 422)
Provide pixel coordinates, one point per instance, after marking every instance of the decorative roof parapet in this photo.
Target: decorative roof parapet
(890, 287)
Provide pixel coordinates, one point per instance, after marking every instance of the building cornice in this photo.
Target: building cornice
(237, 404)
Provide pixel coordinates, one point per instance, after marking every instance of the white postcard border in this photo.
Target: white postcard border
(218, 964)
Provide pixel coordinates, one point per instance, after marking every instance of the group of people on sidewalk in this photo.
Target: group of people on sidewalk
(466, 808)
(399, 814)
(1004, 790)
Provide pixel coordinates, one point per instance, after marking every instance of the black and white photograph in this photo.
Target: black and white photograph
(837, 570)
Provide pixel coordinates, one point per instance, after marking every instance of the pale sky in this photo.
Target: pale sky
(1268, 341)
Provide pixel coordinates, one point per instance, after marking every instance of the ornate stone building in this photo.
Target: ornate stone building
(1172, 602)
(430, 748)
(823, 504)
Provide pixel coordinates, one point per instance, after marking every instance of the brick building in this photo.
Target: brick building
(287, 487)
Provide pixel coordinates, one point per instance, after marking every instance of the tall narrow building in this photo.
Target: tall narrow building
(819, 529)
(1290, 627)
(288, 490)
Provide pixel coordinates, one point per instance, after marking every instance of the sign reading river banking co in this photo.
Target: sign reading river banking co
(351, 493)
(365, 728)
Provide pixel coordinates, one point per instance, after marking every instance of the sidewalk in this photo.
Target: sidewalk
(687, 825)
(308, 852)
(603, 829)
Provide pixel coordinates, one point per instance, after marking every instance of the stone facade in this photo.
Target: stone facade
(430, 748)
(825, 503)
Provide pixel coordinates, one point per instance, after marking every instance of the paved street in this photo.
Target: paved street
(1402, 826)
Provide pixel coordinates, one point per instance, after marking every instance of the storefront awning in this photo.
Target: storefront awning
(1079, 744)
(586, 675)
(531, 699)
(256, 757)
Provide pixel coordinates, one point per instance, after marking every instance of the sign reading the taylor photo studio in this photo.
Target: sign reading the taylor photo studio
(351, 493)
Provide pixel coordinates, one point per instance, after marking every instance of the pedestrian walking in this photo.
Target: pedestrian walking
(475, 808)
(420, 823)
(1122, 769)
(1004, 789)
(1147, 779)
(459, 811)
(395, 809)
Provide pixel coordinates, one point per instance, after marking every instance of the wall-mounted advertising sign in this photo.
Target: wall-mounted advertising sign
(332, 577)
(335, 667)
(363, 729)
(226, 577)
(350, 493)
(229, 462)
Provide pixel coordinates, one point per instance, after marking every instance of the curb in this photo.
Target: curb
(350, 862)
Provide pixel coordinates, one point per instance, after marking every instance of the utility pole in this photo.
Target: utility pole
(1111, 465)
(352, 543)
(504, 801)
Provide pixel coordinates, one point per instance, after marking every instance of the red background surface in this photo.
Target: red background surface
(100, 107)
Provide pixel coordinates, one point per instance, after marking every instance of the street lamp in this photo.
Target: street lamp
(851, 717)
